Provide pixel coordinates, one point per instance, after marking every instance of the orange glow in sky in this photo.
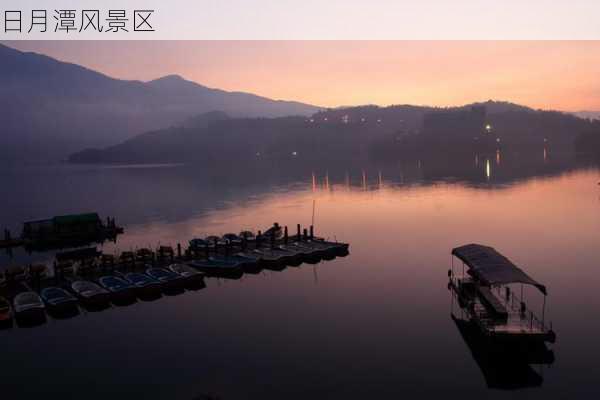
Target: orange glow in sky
(542, 74)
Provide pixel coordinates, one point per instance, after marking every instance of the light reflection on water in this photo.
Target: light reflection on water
(376, 323)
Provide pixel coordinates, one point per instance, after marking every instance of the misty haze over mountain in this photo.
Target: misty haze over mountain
(51, 108)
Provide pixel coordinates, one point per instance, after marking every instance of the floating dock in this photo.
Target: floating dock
(230, 257)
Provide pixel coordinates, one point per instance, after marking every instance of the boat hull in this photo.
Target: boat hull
(98, 300)
(176, 284)
(149, 291)
(123, 296)
(63, 309)
(31, 316)
(219, 269)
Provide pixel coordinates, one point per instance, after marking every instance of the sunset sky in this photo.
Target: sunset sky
(542, 74)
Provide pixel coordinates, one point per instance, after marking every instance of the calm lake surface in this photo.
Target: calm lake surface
(375, 324)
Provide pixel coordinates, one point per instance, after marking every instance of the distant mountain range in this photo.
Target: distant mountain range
(52, 108)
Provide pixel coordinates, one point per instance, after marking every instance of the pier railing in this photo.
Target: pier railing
(518, 317)
(514, 302)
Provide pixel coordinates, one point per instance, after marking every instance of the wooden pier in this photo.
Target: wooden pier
(230, 257)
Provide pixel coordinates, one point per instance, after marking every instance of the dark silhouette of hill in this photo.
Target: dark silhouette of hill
(351, 133)
(52, 108)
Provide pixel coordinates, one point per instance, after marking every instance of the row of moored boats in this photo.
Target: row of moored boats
(228, 256)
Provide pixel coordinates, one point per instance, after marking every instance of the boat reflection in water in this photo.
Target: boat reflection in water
(504, 366)
(505, 338)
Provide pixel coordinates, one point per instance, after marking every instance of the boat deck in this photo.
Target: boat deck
(512, 323)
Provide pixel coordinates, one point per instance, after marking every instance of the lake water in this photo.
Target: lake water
(374, 324)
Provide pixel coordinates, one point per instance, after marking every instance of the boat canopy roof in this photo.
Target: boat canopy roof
(88, 218)
(491, 267)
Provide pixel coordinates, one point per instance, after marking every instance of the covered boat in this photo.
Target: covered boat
(492, 268)
(485, 291)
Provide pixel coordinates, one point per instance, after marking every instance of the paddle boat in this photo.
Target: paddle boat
(29, 306)
(305, 253)
(285, 256)
(198, 243)
(268, 260)
(249, 236)
(214, 242)
(91, 294)
(188, 273)
(168, 279)
(232, 239)
(226, 267)
(119, 288)
(58, 300)
(249, 261)
(144, 285)
(325, 249)
(5, 312)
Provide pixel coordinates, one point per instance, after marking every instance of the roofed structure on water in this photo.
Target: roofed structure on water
(492, 268)
(75, 224)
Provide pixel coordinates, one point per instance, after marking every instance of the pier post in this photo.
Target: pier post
(544, 313)
(298, 235)
(312, 232)
(530, 320)
(178, 250)
(285, 235)
(305, 234)
(258, 239)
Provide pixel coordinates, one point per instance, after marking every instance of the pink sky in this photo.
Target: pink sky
(541, 74)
